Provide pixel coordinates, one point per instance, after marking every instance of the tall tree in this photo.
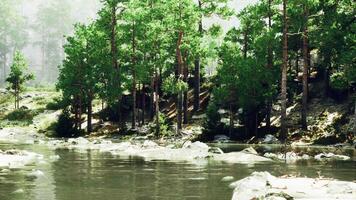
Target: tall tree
(284, 73)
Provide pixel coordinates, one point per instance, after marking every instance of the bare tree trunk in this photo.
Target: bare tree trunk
(284, 74)
(305, 71)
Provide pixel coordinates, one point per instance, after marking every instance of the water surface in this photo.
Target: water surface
(91, 175)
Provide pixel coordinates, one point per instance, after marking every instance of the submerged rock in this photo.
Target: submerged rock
(262, 185)
(331, 156)
(227, 179)
(35, 174)
(221, 139)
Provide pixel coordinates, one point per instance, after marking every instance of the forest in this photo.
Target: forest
(268, 83)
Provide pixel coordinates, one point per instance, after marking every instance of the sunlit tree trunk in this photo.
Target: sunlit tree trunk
(284, 74)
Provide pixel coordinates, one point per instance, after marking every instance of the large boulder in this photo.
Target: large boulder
(262, 185)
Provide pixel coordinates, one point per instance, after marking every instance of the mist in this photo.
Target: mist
(38, 29)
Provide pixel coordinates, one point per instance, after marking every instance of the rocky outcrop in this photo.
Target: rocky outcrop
(262, 185)
(15, 159)
(149, 150)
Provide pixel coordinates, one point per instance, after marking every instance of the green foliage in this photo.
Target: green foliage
(173, 85)
(339, 81)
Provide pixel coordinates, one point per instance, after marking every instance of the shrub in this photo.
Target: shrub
(56, 104)
(213, 116)
(21, 114)
(163, 126)
(65, 125)
(339, 81)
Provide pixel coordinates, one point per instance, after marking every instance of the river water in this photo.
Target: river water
(91, 175)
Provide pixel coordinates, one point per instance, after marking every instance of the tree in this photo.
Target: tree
(18, 76)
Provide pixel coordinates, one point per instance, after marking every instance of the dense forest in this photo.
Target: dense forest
(140, 49)
(144, 61)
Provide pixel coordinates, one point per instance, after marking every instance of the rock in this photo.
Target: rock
(195, 145)
(240, 157)
(289, 156)
(227, 179)
(216, 150)
(250, 150)
(331, 156)
(15, 159)
(221, 139)
(149, 144)
(262, 185)
(270, 139)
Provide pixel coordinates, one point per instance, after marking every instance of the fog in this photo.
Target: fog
(37, 28)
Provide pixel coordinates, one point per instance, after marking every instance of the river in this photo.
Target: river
(91, 175)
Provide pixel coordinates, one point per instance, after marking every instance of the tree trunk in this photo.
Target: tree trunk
(305, 71)
(157, 105)
(197, 68)
(133, 78)
(245, 44)
(152, 98)
(284, 74)
(231, 113)
(80, 113)
(90, 113)
(185, 95)
(143, 104)
(270, 66)
(5, 60)
(114, 55)
(180, 73)
(297, 65)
